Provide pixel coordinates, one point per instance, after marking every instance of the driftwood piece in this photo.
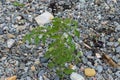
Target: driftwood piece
(109, 60)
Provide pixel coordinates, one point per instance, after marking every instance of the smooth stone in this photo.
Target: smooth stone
(117, 73)
(118, 49)
(44, 18)
(89, 72)
(41, 72)
(28, 78)
(76, 76)
(99, 69)
(1, 32)
(19, 28)
(10, 36)
(88, 53)
(33, 68)
(57, 78)
(110, 43)
(10, 42)
(116, 44)
(40, 78)
(84, 60)
(43, 60)
(119, 40)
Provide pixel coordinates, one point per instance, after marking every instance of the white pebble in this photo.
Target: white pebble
(44, 18)
(76, 76)
(10, 43)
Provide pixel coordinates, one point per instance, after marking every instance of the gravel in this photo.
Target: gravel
(99, 25)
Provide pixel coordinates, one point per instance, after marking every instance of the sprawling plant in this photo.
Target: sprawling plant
(61, 49)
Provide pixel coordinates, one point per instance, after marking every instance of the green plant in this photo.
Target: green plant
(62, 48)
(15, 3)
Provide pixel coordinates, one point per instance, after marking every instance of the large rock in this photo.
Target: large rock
(76, 76)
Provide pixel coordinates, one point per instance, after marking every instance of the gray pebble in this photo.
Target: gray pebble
(57, 78)
(1, 31)
(99, 69)
(43, 60)
(118, 49)
(117, 74)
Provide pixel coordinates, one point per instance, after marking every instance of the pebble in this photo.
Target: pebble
(99, 69)
(57, 78)
(118, 73)
(89, 72)
(44, 18)
(118, 49)
(76, 76)
(72, 67)
(33, 68)
(1, 31)
(119, 40)
(10, 42)
(10, 36)
(43, 60)
(98, 55)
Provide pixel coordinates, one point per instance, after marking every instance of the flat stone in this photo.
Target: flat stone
(89, 72)
(44, 18)
(118, 73)
(19, 28)
(10, 42)
(76, 76)
(10, 36)
(118, 49)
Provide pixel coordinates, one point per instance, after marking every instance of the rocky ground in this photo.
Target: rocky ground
(99, 24)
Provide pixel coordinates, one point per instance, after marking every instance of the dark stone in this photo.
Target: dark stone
(43, 60)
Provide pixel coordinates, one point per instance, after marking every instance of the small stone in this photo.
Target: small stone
(43, 60)
(1, 31)
(12, 78)
(45, 78)
(99, 69)
(118, 73)
(118, 49)
(40, 78)
(33, 68)
(119, 40)
(19, 28)
(98, 55)
(10, 36)
(72, 67)
(57, 78)
(76, 76)
(19, 18)
(44, 18)
(10, 42)
(89, 72)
